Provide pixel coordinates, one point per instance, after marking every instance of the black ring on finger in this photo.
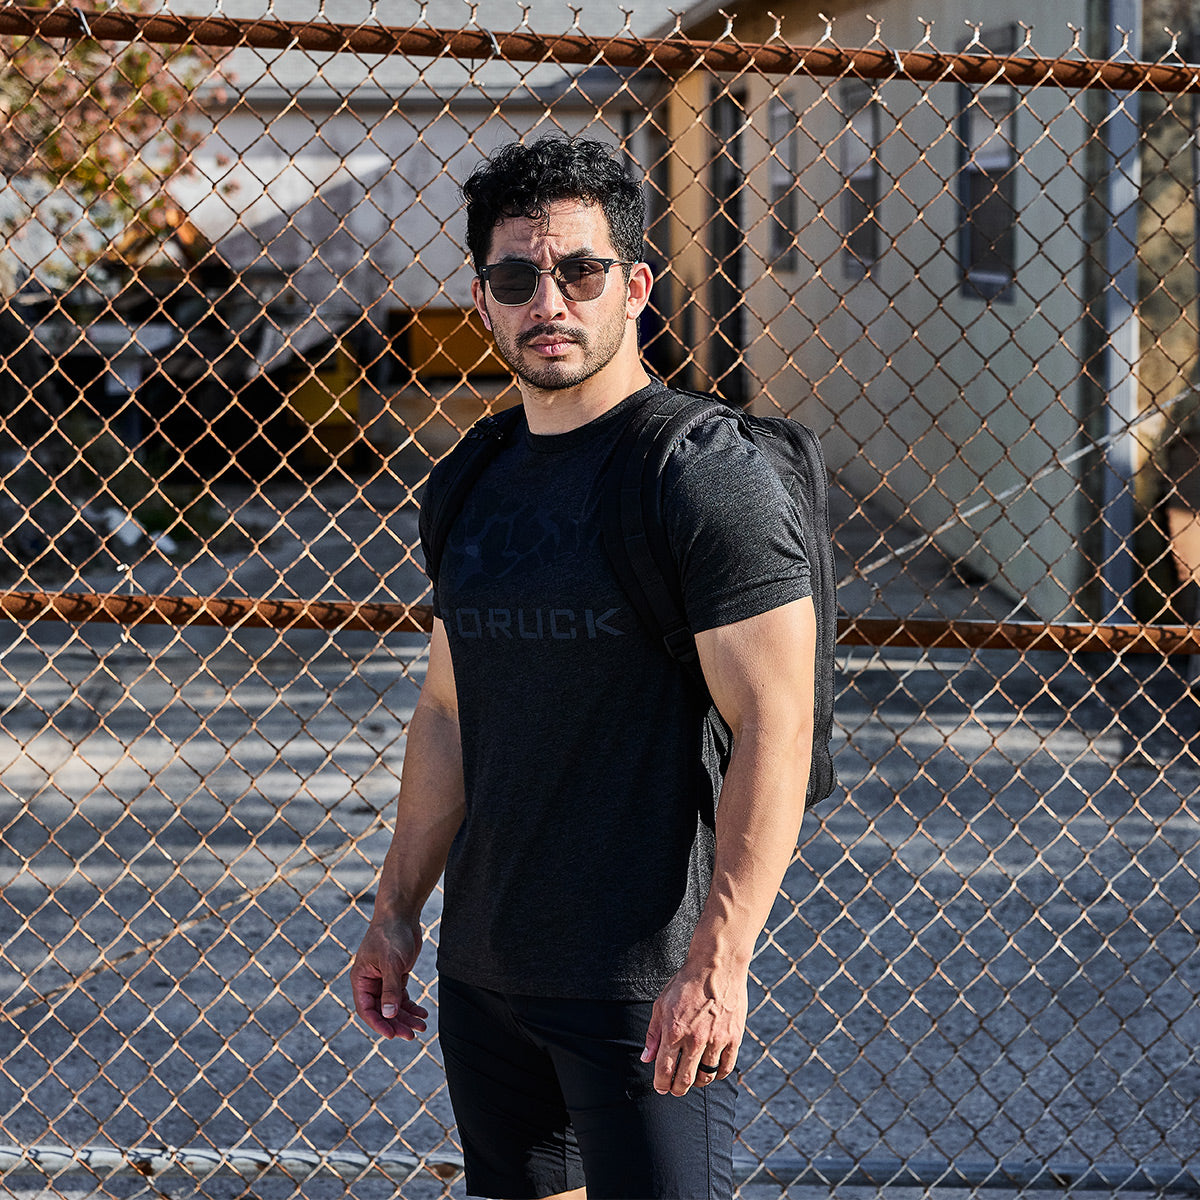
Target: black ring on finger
(707, 1069)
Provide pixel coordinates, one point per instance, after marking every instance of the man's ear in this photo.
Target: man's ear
(480, 303)
(637, 292)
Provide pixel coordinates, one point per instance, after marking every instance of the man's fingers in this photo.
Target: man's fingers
(653, 1038)
(397, 1005)
(406, 1018)
(662, 1052)
(678, 1068)
(383, 1003)
(727, 1061)
(705, 1076)
(687, 1071)
(675, 1067)
(404, 1022)
(665, 1062)
(723, 1062)
(366, 1004)
(685, 1076)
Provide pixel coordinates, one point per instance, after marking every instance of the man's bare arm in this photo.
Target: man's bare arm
(760, 674)
(428, 815)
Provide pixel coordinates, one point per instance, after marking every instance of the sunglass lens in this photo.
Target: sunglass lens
(513, 283)
(581, 278)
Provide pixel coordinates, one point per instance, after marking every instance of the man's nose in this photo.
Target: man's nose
(548, 301)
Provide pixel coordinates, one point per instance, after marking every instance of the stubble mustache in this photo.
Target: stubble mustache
(562, 332)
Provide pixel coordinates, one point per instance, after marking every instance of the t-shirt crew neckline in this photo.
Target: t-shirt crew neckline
(553, 443)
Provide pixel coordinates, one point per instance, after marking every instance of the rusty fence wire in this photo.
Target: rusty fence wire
(236, 332)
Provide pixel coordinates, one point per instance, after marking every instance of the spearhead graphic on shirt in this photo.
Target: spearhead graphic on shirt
(497, 540)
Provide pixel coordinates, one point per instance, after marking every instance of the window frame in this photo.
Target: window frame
(862, 178)
(987, 181)
(783, 252)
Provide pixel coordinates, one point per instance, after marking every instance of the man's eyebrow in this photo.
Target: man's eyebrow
(582, 252)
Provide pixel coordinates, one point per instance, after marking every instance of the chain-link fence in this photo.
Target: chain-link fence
(237, 332)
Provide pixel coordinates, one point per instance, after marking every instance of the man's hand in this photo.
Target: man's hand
(698, 1020)
(379, 978)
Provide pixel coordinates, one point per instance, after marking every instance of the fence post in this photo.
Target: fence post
(1121, 189)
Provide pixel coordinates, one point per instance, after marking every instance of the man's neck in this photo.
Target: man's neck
(562, 410)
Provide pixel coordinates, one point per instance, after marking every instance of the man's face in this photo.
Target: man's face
(552, 343)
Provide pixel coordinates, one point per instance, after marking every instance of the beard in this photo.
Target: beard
(599, 347)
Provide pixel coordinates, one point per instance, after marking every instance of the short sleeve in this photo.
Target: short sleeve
(433, 485)
(734, 531)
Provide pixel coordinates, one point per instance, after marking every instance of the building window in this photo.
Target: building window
(781, 183)
(987, 184)
(860, 140)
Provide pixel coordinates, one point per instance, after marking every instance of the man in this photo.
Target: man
(600, 910)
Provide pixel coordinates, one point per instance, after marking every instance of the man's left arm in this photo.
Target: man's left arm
(760, 674)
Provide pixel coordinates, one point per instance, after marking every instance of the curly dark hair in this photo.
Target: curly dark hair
(524, 179)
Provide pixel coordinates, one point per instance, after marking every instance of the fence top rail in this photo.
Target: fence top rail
(232, 612)
(671, 55)
(332, 615)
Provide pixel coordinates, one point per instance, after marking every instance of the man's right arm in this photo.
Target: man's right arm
(428, 815)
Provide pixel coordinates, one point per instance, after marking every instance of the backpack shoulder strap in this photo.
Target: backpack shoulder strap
(635, 535)
(635, 538)
(636, 542)
(451, 481)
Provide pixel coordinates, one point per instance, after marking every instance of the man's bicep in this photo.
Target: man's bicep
(762, 668)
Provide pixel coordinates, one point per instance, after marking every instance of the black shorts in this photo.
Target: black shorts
(551, 1094)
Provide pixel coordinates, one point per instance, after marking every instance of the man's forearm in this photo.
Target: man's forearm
(428, 814)
(700, 1017)
(758, 822)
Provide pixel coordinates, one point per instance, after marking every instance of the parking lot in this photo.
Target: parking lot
(985, 954)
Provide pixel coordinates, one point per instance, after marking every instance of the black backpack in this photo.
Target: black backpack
(637, 547)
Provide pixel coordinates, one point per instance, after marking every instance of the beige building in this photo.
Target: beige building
(909, 268)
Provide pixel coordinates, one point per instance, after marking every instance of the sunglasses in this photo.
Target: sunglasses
(513, 283)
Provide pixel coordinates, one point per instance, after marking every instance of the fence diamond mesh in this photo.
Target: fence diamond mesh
(236, 333)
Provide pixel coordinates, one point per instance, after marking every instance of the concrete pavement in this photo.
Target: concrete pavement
(986, 953)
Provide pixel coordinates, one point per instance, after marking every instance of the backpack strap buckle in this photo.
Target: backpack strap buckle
(680, 644)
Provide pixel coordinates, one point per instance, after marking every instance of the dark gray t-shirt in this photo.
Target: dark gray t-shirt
(586, 851)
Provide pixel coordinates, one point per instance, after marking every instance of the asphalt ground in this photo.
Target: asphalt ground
(986, 954)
